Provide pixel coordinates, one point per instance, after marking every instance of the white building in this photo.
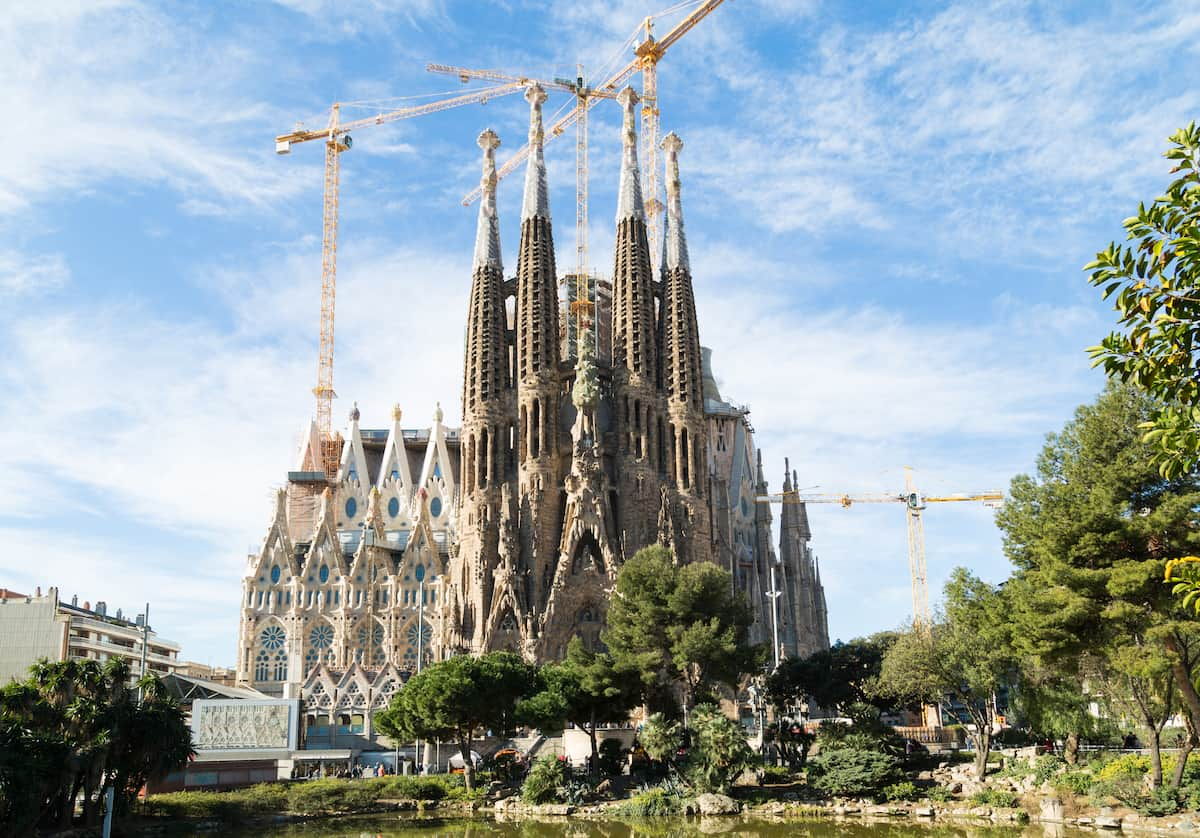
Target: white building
(36, 627)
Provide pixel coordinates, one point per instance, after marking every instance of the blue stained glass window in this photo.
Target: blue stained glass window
(435, 507)
(437, 469)
(324, 573)
(275, 574)
(394, 507)
(419, 572)
(273, 637)
(351, 507)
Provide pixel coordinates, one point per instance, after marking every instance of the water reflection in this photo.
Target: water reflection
(409, 826)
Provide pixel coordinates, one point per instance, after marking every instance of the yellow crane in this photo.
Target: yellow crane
(583, 96)
(915, 504)
(647, 55)
(337, 139)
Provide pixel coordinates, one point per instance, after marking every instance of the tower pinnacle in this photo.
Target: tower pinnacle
(629, 196)
(487, 234)
(675, 252)
(537, 200)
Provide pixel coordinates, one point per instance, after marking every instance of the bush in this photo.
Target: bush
(853, 771)
(1159, 802)
(776, 775)
(719, 751)
(1126, 765)
(612, 757)
(660, 801)
(901, 791)
(323, 797)
(546, 776)
(409, 787)
(230, 806)
(1046, 766)
(995, 797)
(1075, 781)
(939, 794)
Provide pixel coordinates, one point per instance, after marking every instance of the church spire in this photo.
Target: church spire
(629, 195)
(487, 233)
(537, 198)
(675, 252)
(679, 344)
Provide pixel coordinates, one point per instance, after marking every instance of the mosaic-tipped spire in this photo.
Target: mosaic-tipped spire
(787, 475)
(537, 198)
(487, 233)
(675, 252)
(629, 198)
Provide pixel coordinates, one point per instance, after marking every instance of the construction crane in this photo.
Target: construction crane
(583, 94)
(647, 55)
(336, 135)
(915, 504)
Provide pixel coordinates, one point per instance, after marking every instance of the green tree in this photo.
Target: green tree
(679, 626)
(1090, 536)
(719, 751)
(73, 730)
(963, 659)
(840, 678)
(455, 698)
(585, 689)
(1153, 281)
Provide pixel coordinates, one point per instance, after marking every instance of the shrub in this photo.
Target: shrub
(659, 801)
(719, 751)
(939, 794)
(322, 797)
(1075, 781)
(409, 787)
(1046, 766)
(853, 771)
(1160, 801)
(612, 757)
(230, 806)
(776, 775)
(1126, 765)
(995, 797)
(901, 791)
(546, 776)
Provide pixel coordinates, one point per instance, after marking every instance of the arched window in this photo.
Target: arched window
(370, 645)
(320, 646)
(412, 637)
(271, 662)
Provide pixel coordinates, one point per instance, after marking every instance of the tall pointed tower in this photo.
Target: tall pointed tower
(538, 378)
(682, 382)
(489, 415)
(802, 618)
(641, 455)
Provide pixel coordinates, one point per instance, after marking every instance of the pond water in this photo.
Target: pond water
(410, 826)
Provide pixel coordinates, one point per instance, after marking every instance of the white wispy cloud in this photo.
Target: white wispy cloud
(25, 274)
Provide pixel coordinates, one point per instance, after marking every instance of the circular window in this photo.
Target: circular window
(273, 637)
(351, 507)
(321, 636)
(394, 507)
(324, 574)
(419, 572)
(435, 507)
(275, 573)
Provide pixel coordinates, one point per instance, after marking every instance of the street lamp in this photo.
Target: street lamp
(774, 594)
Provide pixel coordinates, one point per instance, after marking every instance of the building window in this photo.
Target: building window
(393, 507)
(274, 574)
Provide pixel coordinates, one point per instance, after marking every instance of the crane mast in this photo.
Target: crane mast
(915, 504)
(336, 136)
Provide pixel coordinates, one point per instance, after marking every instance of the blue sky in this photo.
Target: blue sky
(888, 206)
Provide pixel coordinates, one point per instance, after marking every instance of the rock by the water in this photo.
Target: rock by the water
(717, 804)
(1051, 810)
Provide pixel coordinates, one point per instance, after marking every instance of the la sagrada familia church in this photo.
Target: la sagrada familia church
(582, 441)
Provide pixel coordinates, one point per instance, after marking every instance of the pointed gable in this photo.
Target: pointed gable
(437, 477)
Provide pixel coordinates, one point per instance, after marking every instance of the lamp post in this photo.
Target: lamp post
(774, 594)
(145, 641)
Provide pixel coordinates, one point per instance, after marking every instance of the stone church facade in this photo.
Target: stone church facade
(508, 532)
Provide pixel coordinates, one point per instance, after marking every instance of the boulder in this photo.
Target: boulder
(1051, 810)
(605, 788)
(717, 804)
(923, 811)
(561, 809)
(1108, 822)
(1186, 825)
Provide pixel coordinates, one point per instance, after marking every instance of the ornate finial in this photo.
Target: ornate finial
(487, 233)
(787, 475)
(629, 197)
(354, 414)
(795, 480)
(675, 254)
(397, 413)
(437, 413)
(537, 196)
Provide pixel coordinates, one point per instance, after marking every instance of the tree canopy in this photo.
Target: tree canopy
(455, 698)
(961, 661)
(75, 728)
(1090, 535)
(840, 678)
(679, 626)
(1154, 282)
